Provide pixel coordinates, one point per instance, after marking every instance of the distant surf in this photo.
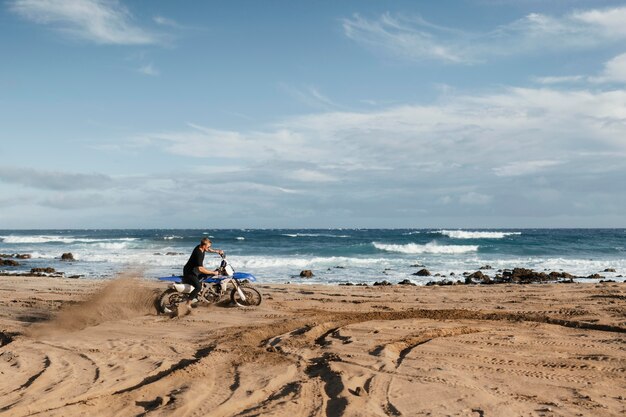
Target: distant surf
(465, 234)
(431, 247)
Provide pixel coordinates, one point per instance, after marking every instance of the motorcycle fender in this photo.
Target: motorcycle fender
(184, 288)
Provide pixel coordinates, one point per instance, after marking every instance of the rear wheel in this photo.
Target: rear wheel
(168, 301)
(253, 297)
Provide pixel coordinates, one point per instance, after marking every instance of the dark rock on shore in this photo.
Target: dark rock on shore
(42, 270)
(67, 257)
(486, 267)
(609, 270)
(422, 273)
(557, 275)
(477, 277)
(307, 273)
(382, 283)
(347, 284)
(417, 266)
(9, 262)
(405, 282)
(443, 283)
(15, 255)
(595, 276)
(515, 276)
(525, 276)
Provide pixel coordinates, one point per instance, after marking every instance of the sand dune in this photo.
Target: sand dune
(80, 347)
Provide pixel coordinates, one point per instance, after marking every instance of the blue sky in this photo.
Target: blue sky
(207, 114)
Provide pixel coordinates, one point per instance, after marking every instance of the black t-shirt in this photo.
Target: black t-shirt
(195, 260)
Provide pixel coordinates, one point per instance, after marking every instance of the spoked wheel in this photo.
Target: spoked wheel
(252, 296)
(168, 301)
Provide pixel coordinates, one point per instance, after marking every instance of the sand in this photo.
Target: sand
(78, 347)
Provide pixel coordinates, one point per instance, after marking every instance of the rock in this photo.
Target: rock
(382, 283)
(347, 284)
(606, 280)
(440, 283)
(564, 275)
(22, 256)
(307, 273)
(609, 270)
(67, 257)
(405, 282)
(340, 267)
(452, 274)
(486, 267)
(595, 276)
(9, 262)
(422, 273)
(525, 276)
(477, 277)
(417, 266)
(42, 270)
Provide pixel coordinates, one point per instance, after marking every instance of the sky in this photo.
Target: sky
(324, 114)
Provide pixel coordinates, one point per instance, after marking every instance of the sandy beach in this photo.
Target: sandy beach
(78, 347)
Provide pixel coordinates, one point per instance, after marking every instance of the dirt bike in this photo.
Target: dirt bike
(214, 288)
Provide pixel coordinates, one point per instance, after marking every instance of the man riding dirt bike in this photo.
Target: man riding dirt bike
(213, 285)
(195, 266)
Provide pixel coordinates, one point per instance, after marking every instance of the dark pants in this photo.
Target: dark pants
(193, 280)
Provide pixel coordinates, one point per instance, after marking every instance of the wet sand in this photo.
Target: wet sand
(74, 347)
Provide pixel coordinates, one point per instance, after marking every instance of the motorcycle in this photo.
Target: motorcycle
(214, 287)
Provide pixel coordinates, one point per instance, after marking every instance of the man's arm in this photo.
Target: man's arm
(221, 252)
(203, 270)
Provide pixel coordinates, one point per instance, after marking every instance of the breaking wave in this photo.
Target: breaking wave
(464, 234)
(59, 239)
(432, 247)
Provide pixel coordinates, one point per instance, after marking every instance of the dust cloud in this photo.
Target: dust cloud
(124, 297)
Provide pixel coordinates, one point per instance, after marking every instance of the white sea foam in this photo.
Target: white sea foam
(464, 234)
(312, 235)
(431, 247)
(240, 238)
(172, 237)
(58, 239)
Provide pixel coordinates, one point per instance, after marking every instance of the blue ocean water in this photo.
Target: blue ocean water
(334, 255)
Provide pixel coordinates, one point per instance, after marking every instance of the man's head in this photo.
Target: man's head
(205, 243)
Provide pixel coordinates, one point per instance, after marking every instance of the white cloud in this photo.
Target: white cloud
(311, 96)
(418, 40)
(164, 21)
(99, 21)
(608, 22)
(519, 168)
(307, 175)
(54, 180)
(614, 71)
(148, 69)
(515, 124)
(408, 39)
(560, 79)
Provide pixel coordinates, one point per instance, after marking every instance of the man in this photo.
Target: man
(194, 267)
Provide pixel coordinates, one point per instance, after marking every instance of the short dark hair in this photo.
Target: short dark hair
(205, 240)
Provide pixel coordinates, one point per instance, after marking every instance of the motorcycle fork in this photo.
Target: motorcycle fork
(238, 288)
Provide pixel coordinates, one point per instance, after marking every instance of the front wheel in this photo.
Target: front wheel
(252, 296)
(168, 301)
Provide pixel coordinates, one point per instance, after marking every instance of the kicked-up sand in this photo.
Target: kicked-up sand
(73, 347)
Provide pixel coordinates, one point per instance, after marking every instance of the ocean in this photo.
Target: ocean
(334, 255)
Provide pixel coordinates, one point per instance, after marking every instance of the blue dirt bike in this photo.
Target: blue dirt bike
(214, 287)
